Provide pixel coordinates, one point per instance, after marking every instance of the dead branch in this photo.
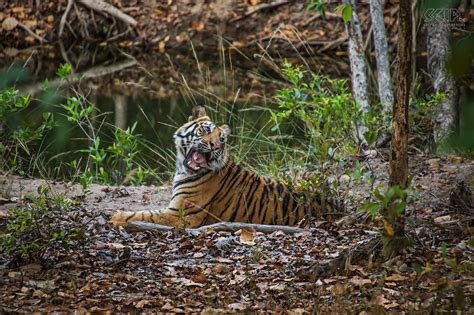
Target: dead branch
(64, 17)
(259, 8)
(93, 72)
(103, 7)
(319, 15)
(29, 31)
(362, 250)
(139, 226)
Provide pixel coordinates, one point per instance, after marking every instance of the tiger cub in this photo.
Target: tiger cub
(208, 187)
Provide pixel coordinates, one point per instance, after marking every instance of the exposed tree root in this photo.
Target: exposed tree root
(64, 17)
(103, 7)
(363, 250)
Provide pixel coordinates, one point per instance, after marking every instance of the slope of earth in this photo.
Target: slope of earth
(111, 269)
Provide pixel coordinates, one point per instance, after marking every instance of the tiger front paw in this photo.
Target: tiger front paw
(120, 218)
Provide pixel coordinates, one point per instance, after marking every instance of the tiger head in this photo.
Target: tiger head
(200, 144)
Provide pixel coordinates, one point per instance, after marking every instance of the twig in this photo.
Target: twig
(359, 252)
(259, 8)
(85, 32)
(64, 17)
(318, 15)
(119, 35)
(27, 29)
(65, 57)
(103, 7)
(369, 37)
(139, 226)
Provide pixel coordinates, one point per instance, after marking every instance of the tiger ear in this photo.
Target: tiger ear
(225, 130)
(198, 112)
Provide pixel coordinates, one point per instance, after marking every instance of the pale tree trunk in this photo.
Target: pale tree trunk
(446, 115)
(120, 111)
(381, 53)
(358, 65)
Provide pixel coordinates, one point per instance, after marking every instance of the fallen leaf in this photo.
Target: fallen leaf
(142, 303)
(29, 39)
(31, 268)
(237, 306)
(434, 164)
(199, 278)
(197, 26)
(18, 9)
(115, 246)
(388, 228)
(442, 219)
(262, 286)
(220, 268)
(278, 287)
(167, 307)
(9, 23)
(161, 46)
(395, 278)
(360, 282)
(246, 237)
(3, 214)
(10, 52)
(38, 293)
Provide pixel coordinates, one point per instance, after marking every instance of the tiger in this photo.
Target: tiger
(208, 187)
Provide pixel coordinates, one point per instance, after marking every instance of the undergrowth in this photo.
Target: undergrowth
(36, 227)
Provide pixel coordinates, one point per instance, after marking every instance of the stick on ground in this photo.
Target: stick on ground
(139, 226)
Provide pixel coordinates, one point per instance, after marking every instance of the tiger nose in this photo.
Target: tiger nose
(215, 145)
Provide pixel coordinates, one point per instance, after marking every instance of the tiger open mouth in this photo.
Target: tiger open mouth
(197, 160)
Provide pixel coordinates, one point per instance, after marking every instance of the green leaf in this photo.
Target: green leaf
(345, 10)
(63, 71)
(317, 5)
(372, 208)
(443, 249)
(471, 242)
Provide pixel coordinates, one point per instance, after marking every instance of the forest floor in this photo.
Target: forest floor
(112, 269)
(158, 25)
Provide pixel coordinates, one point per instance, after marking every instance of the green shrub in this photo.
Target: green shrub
(320, 107)
(322, 112)
(37, 226)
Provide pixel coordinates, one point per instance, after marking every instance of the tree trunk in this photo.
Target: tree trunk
(358, 65)
(381, 54)
(446, 116)
(394, 227)
(399, 154)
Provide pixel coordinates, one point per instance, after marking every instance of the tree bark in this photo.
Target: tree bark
(446, 115)
(381, 54)
(399, 153)
(358, 65)
(394, 226)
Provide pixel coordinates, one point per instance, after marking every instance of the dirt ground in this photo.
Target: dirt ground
(111, 269)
